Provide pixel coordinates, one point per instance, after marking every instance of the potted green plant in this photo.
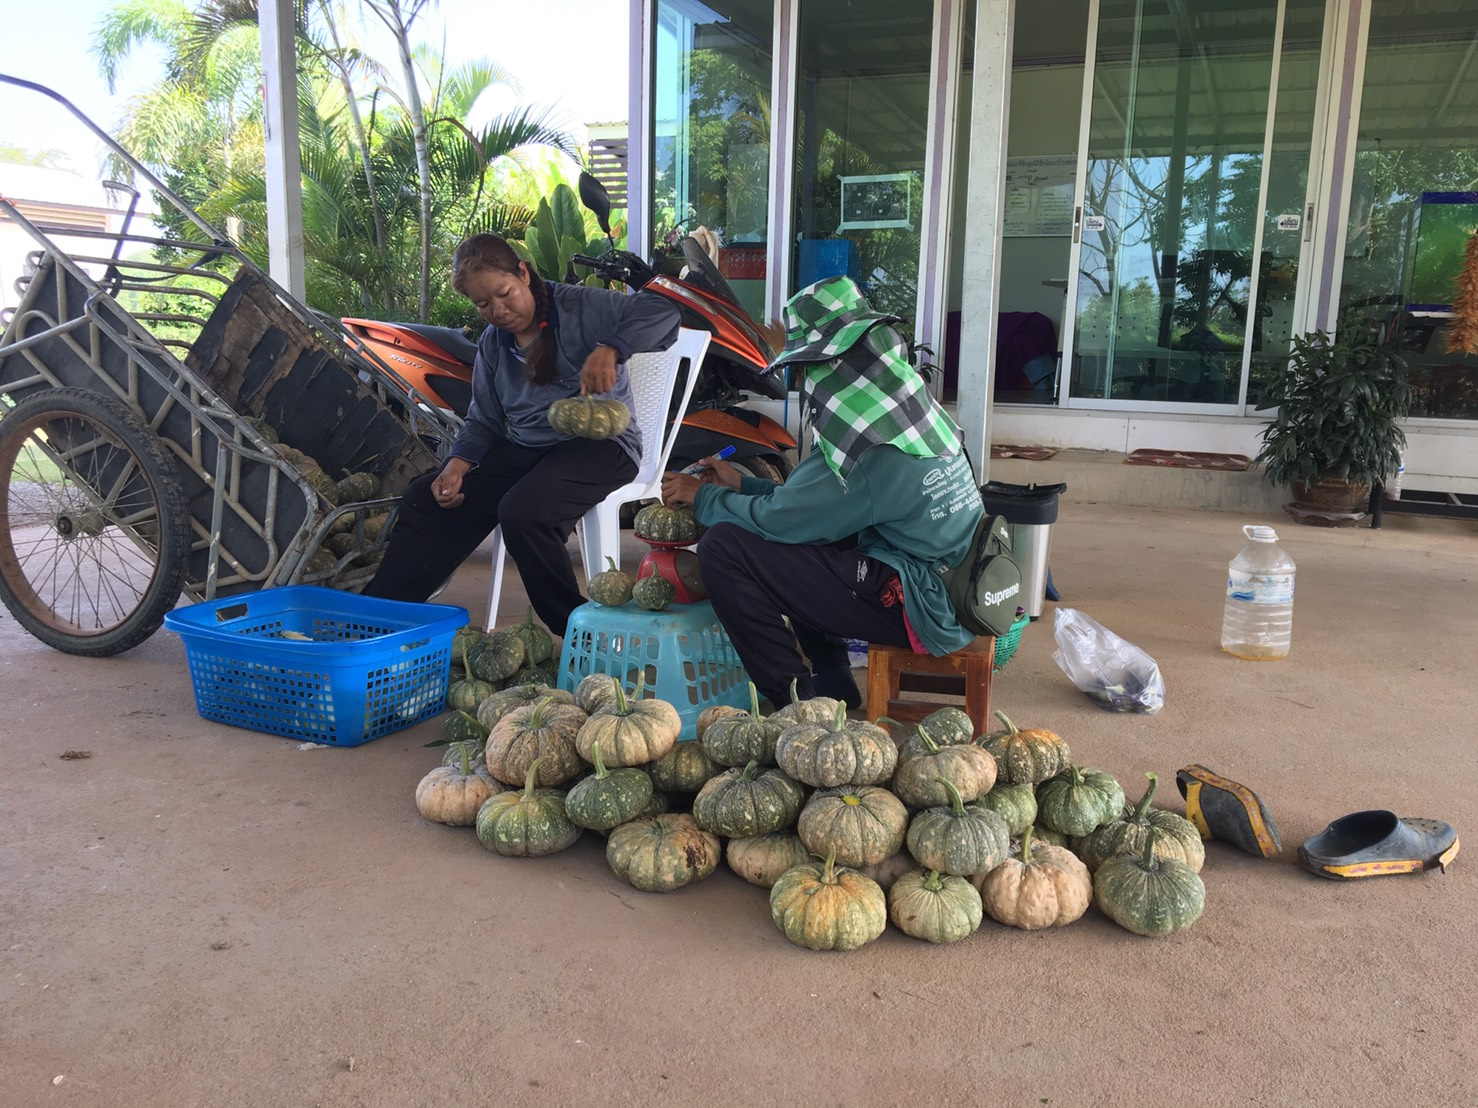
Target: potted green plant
(1340, 399)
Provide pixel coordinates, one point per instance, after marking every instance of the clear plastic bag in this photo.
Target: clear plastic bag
(1116, 675)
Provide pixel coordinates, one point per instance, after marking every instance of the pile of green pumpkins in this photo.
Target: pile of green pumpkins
(848, 827)
(484, 663)
(351, 532)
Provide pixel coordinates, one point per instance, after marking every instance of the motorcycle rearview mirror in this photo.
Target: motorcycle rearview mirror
(594, 196)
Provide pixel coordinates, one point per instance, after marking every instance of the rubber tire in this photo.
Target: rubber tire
(127, 432)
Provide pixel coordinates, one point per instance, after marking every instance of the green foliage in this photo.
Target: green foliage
(560, 229)
(1340, 402)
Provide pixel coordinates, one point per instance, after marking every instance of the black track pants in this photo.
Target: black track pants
(536, 495)
(831, 593)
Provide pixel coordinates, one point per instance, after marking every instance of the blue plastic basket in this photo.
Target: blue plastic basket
(682, 651)
(372, 666)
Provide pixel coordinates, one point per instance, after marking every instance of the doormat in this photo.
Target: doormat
(1188, 459)
(1030, 453)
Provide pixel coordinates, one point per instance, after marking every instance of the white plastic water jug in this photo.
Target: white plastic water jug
(1258, 621)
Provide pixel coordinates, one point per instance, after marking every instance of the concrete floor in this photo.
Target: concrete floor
(199, 915)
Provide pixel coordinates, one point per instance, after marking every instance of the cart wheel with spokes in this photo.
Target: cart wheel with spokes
(94, 523)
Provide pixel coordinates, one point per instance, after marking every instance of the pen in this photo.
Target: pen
(698, 467)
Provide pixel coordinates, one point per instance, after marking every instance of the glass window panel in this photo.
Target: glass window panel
(1179, 114)
(711, 150)
(1418, 134)
(862, 127)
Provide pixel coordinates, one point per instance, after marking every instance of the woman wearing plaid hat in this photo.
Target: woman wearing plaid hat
(855, 544)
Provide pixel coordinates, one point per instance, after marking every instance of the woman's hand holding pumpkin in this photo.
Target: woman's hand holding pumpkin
(598, 374)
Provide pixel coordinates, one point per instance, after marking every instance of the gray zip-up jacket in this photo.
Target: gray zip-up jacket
(506, 406)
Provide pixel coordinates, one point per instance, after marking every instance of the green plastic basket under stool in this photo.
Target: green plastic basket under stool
(1006, 644)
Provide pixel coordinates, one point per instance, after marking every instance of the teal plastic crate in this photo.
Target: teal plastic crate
(682, 651)
(362, 668)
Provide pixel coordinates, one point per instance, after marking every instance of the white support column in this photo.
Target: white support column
(990, 105)
(639, 95)
(283, 163)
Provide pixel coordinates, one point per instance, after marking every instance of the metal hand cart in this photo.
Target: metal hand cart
(138, 383)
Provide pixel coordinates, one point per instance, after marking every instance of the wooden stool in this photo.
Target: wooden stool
(966, 672)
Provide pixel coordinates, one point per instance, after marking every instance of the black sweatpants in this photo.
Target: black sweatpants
(831, 593)
(536, 495)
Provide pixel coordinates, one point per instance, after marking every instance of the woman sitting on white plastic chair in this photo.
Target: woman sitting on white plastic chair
(509, 468)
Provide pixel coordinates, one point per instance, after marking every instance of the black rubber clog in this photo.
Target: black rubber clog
(1378, 843)
(1222, 809)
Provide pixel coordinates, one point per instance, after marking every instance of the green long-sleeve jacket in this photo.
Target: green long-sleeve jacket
(918, 515)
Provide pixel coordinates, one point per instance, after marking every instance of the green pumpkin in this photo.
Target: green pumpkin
(667, 523)
(736, 739)
(496, 657)
(465, 750)
(761, 859)
(632, 732)
(686, 768)
(1147, 893)
(819, 709)
(596, 692)
(711, 715)
(933, 907)
(1025, 757)
(356, 487)
(741, 803)
(528, 823)
(958, 840)
(655, 807)
(589, 417)
(611, 587)
(538, 644)
(838, 752)
(661, 854)
(1016, 804)
(608, 798)
(465, 638)
(1077, 801)
(653, 592)
(949, 726)
(863, 824)
(459, 726)
(500, 703)
(1177, 837)
(970, 771)
(465, 695)
(826, 907)
(543, 733)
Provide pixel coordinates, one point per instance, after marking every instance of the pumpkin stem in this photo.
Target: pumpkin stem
(932, 882)
(828, 871)
(955, 803)
(929, 742)
(611, 562)
(600, 767)
(1077, 774)
(1144, 802)
(841, 717)
(1151, 860)
(749, 771)
(466, 762)
(621, 707)
(536, 717)
(754, 702)
(793, 690)
(1026, 843)
(532, 778)
(1000, 715)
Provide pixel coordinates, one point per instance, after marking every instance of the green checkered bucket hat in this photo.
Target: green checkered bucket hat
(857, 384)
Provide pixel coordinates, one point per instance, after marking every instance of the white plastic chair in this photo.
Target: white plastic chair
(654, 379)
